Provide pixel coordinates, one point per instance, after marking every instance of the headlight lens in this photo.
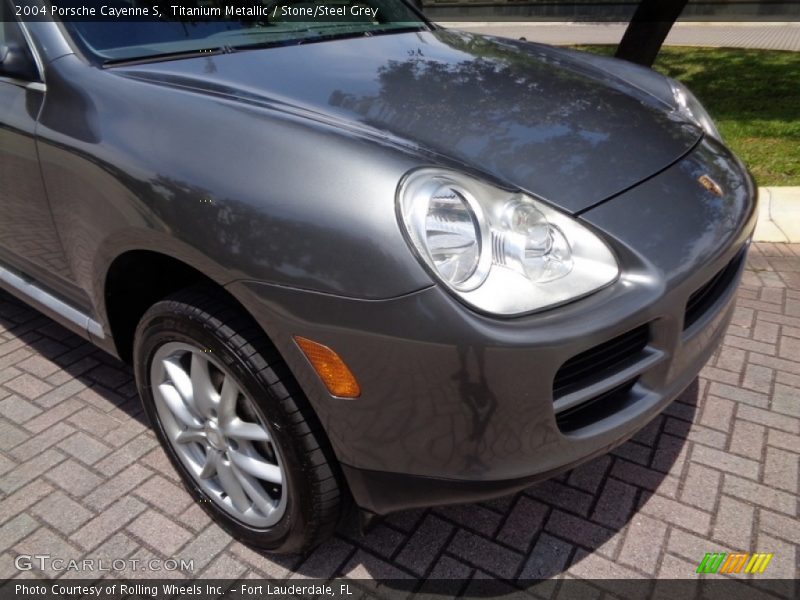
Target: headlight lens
(689, 106)
(452, 236)
(502, 252)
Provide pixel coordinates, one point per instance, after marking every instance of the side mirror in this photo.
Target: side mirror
(17, 62)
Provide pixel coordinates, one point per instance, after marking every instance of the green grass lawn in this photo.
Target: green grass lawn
(754, 97)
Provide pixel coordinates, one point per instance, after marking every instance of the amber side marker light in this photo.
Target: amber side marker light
(330, 368)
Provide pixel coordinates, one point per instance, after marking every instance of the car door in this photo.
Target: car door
(29, 242)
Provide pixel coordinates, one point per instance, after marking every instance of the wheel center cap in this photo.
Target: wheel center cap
(214, 435)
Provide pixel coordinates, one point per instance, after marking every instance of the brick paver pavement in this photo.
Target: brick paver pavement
(82, 476)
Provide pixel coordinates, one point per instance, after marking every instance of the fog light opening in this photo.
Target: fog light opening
(331, 369)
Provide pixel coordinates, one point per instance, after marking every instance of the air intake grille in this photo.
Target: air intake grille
(597, 408)
(705, 297)
(601, 361)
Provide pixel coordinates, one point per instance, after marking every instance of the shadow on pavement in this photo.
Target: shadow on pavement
(536, 534)
(517, 540)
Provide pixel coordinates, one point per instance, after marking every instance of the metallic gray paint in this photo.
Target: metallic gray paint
(275, 174)
(456, 396)
(528, 116)
(231, 198)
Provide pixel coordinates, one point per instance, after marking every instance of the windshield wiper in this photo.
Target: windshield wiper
(151, 58)
(273, 43)
(317, 35)
(320, 35)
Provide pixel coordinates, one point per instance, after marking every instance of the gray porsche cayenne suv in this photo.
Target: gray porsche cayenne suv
(363, 257)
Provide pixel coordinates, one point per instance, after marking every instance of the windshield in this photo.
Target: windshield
(119, 31)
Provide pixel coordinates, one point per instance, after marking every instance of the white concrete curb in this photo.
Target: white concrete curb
(778, 215)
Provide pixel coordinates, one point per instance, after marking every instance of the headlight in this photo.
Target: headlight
(690, 107)
(502, 252)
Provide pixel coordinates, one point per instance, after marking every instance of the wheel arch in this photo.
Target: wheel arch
(137, 279)
(125, 300)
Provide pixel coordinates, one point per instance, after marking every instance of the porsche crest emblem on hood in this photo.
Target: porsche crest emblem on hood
(710, 185)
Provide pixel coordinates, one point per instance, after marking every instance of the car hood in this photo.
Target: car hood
(531, 116)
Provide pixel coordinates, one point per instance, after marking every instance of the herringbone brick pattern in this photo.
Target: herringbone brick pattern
(81, 476)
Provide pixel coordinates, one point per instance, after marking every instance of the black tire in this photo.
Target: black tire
(205, 317)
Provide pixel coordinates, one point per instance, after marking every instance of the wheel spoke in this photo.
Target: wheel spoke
(210, 466)
(257, 467)
(246, 431)
(231, 486)
(177, 406)
(260, 498)
(227, 401)
(205, 396)
(180, 380)
(189, 436)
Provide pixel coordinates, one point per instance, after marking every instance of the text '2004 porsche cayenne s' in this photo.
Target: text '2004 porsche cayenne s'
(364, 257)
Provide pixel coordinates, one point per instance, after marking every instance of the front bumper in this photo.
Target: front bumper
(457, 406)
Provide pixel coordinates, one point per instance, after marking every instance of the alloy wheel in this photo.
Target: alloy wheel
(217, 433)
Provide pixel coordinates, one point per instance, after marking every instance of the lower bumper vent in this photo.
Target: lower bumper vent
(596, 409)
(706, 296)
(600, 362)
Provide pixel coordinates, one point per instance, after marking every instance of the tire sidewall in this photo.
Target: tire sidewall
(160, 327)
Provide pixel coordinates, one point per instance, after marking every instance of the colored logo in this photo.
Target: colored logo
(740, 562)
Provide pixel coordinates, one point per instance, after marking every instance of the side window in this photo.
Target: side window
(4, 16)
(7, 21)
(10, 30)
(18, 61)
